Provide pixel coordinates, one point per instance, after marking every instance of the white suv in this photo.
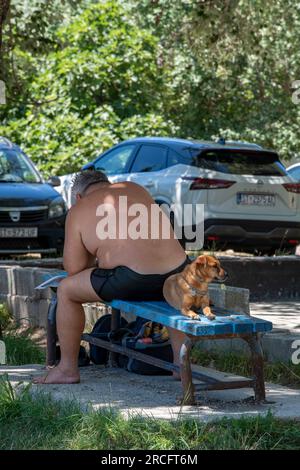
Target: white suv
(249, 198)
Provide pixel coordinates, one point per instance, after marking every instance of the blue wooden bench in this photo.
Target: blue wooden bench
(227, 325)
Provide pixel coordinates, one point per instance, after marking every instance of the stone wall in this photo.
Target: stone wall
(17, 289)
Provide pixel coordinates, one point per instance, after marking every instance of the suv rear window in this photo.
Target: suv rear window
(241, 162)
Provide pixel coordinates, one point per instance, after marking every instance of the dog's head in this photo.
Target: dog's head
(209, 268)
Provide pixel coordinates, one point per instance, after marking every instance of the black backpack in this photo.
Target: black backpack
(101, 330)
(128, 335)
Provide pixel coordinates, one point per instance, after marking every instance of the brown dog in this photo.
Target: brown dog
(190, 287)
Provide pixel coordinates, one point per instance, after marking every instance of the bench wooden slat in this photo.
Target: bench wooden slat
(161, 312)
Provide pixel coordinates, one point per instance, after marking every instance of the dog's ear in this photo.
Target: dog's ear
(202, 260)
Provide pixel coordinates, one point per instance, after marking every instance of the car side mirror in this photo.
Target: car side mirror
(54, 181)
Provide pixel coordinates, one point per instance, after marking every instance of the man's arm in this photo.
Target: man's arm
(76, 257)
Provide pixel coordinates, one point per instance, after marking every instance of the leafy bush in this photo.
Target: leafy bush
(100, 85)
(5, 316)
(82, 76)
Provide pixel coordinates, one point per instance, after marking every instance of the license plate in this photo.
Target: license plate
(247, 199)
(18, 232)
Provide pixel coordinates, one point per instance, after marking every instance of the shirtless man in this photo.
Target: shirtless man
(127, 268)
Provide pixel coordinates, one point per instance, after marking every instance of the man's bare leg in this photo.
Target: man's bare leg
(70, 320)
(177, 338)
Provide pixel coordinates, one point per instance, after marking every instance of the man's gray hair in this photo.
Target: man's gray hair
(84, 179)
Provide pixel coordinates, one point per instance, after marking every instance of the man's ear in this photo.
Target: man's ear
(202, 260)
(78, 197)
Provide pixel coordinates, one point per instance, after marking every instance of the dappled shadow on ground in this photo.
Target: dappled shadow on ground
(158, 396)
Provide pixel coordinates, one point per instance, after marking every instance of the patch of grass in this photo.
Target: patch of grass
(277, 372)
(34, 422)
(20, 349)
(5, 317)
(37, 421)
(284, 252)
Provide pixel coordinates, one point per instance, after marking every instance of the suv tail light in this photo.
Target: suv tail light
(292, 187)
(213, 238)
(208, 183)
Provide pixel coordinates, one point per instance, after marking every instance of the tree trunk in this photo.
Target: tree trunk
(4, 8)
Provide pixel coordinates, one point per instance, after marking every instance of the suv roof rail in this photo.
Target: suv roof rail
(5, 141)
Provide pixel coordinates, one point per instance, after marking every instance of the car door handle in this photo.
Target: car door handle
(149, 184)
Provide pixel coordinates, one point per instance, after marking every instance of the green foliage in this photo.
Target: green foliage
(38, 421)
(233, 67)
(101, 84)
(20, 349)
(11, 398)
(5, 316)
(82, 76)
(46, 420)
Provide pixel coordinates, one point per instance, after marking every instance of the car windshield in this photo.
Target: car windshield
(241, 162)
(15, 168)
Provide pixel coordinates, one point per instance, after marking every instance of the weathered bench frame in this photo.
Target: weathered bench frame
(184, 369)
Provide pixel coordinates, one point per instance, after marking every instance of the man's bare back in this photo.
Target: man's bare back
(145, 256)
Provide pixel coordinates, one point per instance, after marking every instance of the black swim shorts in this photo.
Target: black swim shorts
(125, 284)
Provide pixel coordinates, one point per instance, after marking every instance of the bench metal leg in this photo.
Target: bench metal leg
(51, 333)
(51, 344)
(257, 359)
(114, 325)
(186, 373)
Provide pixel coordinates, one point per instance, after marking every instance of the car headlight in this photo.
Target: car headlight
(57, 208)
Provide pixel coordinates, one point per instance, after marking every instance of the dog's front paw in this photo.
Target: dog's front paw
(208, 313)
(195, 316)
(191, 314)
(211, 317)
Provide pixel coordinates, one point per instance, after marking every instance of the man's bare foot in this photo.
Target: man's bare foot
(58, 376)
